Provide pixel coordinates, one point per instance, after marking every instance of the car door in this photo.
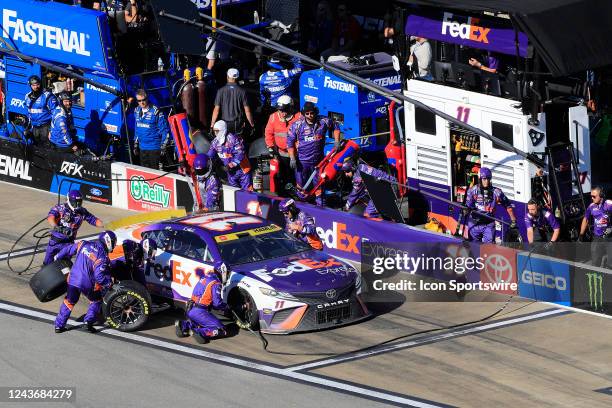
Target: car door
(174, 273)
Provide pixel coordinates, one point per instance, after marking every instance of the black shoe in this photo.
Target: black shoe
(179, 330)
(200, 339)
(60, 329)
(90, 327)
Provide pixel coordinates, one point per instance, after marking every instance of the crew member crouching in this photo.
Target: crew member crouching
(300, 224)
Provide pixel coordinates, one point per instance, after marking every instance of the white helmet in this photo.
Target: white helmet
(284, 102)
(221, 126)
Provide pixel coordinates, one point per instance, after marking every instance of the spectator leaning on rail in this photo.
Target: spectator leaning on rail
(90, 275)
(231, 104)
(600, 210)
(66, 219)
(151, 128)
(63, 133)
(40, 105)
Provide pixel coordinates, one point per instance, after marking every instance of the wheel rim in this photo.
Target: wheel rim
(126, 310)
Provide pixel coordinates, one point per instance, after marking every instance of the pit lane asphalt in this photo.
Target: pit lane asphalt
(531, 355)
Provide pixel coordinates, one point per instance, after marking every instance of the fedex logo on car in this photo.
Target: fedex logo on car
(33, 33)
(339, 85)
(467, 31)
(338, 238)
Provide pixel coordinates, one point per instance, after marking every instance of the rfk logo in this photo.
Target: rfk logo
(72, 169)
(19, 103)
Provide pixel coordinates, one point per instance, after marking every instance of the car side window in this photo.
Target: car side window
(159, 236)
(189, 245)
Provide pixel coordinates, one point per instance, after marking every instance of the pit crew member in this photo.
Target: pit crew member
(90, 275)
(300, 224)
(208, 183)
(278, 81)
(540, 220)
(62, 131)
(40, 105)
(600, 211)
(151, 128)
(230, 149)
(135, 257)
(359, 194)
(66, 219)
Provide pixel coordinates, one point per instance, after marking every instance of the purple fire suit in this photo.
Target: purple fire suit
(309, 141)
(206, 295)
(602, 231)
(68, 223)
(303, 228)
(232, 151)
(484, 200)
(359, 193)
(540, 223)
(209, 188)
(90, 275)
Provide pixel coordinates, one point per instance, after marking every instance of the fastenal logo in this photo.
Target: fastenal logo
(388, 81)
(498, 268)
(13, 167)
(43, 35)
(470, 31)
(339, 85)
(18, 103)
(141, 190)
(595, 287)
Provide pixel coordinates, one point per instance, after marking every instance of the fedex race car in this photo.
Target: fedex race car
(275, 282)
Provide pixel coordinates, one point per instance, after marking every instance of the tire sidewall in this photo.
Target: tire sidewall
(134, 290)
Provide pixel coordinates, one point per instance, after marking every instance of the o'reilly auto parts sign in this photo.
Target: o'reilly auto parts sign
(148, 192)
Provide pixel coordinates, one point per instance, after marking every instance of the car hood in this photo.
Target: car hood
(310, 271)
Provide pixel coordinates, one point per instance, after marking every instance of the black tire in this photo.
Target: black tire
(243, 305)
(50, 282)
(127, 306)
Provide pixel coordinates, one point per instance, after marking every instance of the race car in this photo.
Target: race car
(275, 282)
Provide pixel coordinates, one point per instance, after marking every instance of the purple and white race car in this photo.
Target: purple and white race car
(275, 281)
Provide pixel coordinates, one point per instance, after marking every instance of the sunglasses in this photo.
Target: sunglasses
(309, 113)
(142, 100)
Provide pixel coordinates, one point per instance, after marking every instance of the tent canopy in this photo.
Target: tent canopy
(569, 35)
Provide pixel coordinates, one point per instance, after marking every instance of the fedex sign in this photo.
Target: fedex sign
(468, 31)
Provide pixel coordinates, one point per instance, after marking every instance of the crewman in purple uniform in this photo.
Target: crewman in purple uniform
(542, 221)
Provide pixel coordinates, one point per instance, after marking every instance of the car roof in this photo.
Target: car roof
(222, 222)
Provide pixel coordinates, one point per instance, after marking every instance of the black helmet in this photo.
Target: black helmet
(64, 96)
(310, 107)
(34, 79)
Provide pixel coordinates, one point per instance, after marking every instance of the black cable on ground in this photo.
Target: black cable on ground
(39, 234)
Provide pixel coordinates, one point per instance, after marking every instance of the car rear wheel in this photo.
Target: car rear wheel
(50, 282)
(245, 312)
(127, 306)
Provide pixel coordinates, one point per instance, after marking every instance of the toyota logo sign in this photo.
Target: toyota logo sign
(331, 294)
(498, 268)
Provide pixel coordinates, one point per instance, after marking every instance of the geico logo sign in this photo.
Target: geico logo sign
(544, 280)
(339, 86)
(388, 81)
(469, 31)
(71, 169)
(19, 103)
(337, 238)
(43, 35)
(13, 167)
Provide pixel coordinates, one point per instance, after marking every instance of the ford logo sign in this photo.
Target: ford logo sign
(95, 192)
(331, 294)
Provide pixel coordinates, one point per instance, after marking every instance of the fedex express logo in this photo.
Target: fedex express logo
(33, 33)
(322, 267)
(338, 238)
(467, 31)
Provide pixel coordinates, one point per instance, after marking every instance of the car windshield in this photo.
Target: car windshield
(247, 247)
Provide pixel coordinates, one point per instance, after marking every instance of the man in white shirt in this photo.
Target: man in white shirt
(421, 50)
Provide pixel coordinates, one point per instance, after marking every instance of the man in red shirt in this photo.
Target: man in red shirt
(346, 34)
(276, 140)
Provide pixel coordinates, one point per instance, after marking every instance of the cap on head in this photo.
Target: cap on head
(108, 240)
(275, 63)
(485, 173)
(233, 73)
(74, 199)
(34, 79)
(149, 248)
(286, 205)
